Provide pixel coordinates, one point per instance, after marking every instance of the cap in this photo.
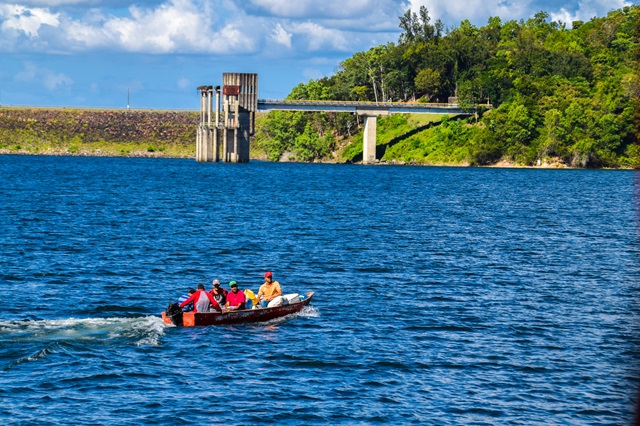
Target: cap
(233, 284)
(215, 282)
(268, 274)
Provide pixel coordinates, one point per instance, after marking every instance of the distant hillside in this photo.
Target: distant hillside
(561, 96)
(97, 132)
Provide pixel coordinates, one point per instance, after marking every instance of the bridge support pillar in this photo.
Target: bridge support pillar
(369, 140)
(206, 136)
(235, 139)
(216, 144)
(206, 144)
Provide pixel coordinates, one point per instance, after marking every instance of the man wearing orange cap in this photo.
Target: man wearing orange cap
(269, 290)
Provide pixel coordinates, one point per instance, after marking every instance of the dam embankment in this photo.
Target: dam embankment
(97, 132)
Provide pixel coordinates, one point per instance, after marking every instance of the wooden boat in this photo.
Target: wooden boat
(190, 319)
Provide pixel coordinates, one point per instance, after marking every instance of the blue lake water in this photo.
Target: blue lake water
(443, 295)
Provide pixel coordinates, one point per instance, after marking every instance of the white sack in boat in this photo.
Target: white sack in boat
(278, 301)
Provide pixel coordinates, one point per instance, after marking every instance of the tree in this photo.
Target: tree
(418, 27)
(427, 82)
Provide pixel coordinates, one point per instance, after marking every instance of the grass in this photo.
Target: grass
(391, 131)
(69, 131)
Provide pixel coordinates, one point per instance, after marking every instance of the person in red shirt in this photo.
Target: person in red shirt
(202, 301)
(236, 299)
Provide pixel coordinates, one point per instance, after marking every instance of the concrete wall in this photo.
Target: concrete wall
(248, 82)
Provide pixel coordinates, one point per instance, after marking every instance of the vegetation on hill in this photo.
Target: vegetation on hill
(560, 95)
(97, 132)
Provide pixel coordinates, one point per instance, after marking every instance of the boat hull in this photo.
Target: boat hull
(193, 319)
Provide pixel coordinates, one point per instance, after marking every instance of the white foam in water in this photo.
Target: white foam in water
(309, 311)
(141, 331)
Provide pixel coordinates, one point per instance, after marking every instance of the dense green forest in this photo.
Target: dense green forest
(560, 95)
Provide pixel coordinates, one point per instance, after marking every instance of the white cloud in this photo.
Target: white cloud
(588, 9)
(318, 37)
(352, 15)
(27, 21)
(477, 11)
(188, 26)
(563, 15)
(176, 26)
(50, 80)
(281, 36)
(226, 27)
(199, 26)
(320, 9)
(54, 81)
(54, 3)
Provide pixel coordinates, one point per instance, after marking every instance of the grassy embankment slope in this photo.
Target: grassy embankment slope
(70, 131)
(397, 140)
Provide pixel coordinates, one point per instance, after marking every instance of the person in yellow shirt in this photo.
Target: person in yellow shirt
(269, 290)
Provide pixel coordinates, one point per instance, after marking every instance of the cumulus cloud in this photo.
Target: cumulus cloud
(476, 11)
(588, 9)
(188, 26)
(17, 18)
(55, 81)
(172, 27)
(281, 36)
(563, 15)
(318, 37)
(39, 76)
(358, 15)
(53, 3)
(227, 27)
(319, 10)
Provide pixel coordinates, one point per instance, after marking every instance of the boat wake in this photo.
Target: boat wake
(40, 354)
(140, 331)
(309, 311)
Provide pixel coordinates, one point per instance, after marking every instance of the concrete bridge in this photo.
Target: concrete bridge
(235, 119)
(369, 110)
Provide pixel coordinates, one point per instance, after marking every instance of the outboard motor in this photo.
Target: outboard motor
(174, 313)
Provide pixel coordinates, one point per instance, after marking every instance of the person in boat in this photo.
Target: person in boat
(202, 301)
(269, 290)
(188, 307)
(236, 300)
(219, 293)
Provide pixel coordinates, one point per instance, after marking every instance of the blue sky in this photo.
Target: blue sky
(100, 53)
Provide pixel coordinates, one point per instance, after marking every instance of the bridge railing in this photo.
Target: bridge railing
(360, 103)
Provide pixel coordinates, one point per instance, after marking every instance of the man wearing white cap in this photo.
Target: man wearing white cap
(218, 293)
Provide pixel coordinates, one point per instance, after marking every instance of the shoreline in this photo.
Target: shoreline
(161, 155)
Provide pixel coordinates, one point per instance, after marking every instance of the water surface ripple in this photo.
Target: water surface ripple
(444, 295)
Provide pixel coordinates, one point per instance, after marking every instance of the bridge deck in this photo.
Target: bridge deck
(360, 107)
